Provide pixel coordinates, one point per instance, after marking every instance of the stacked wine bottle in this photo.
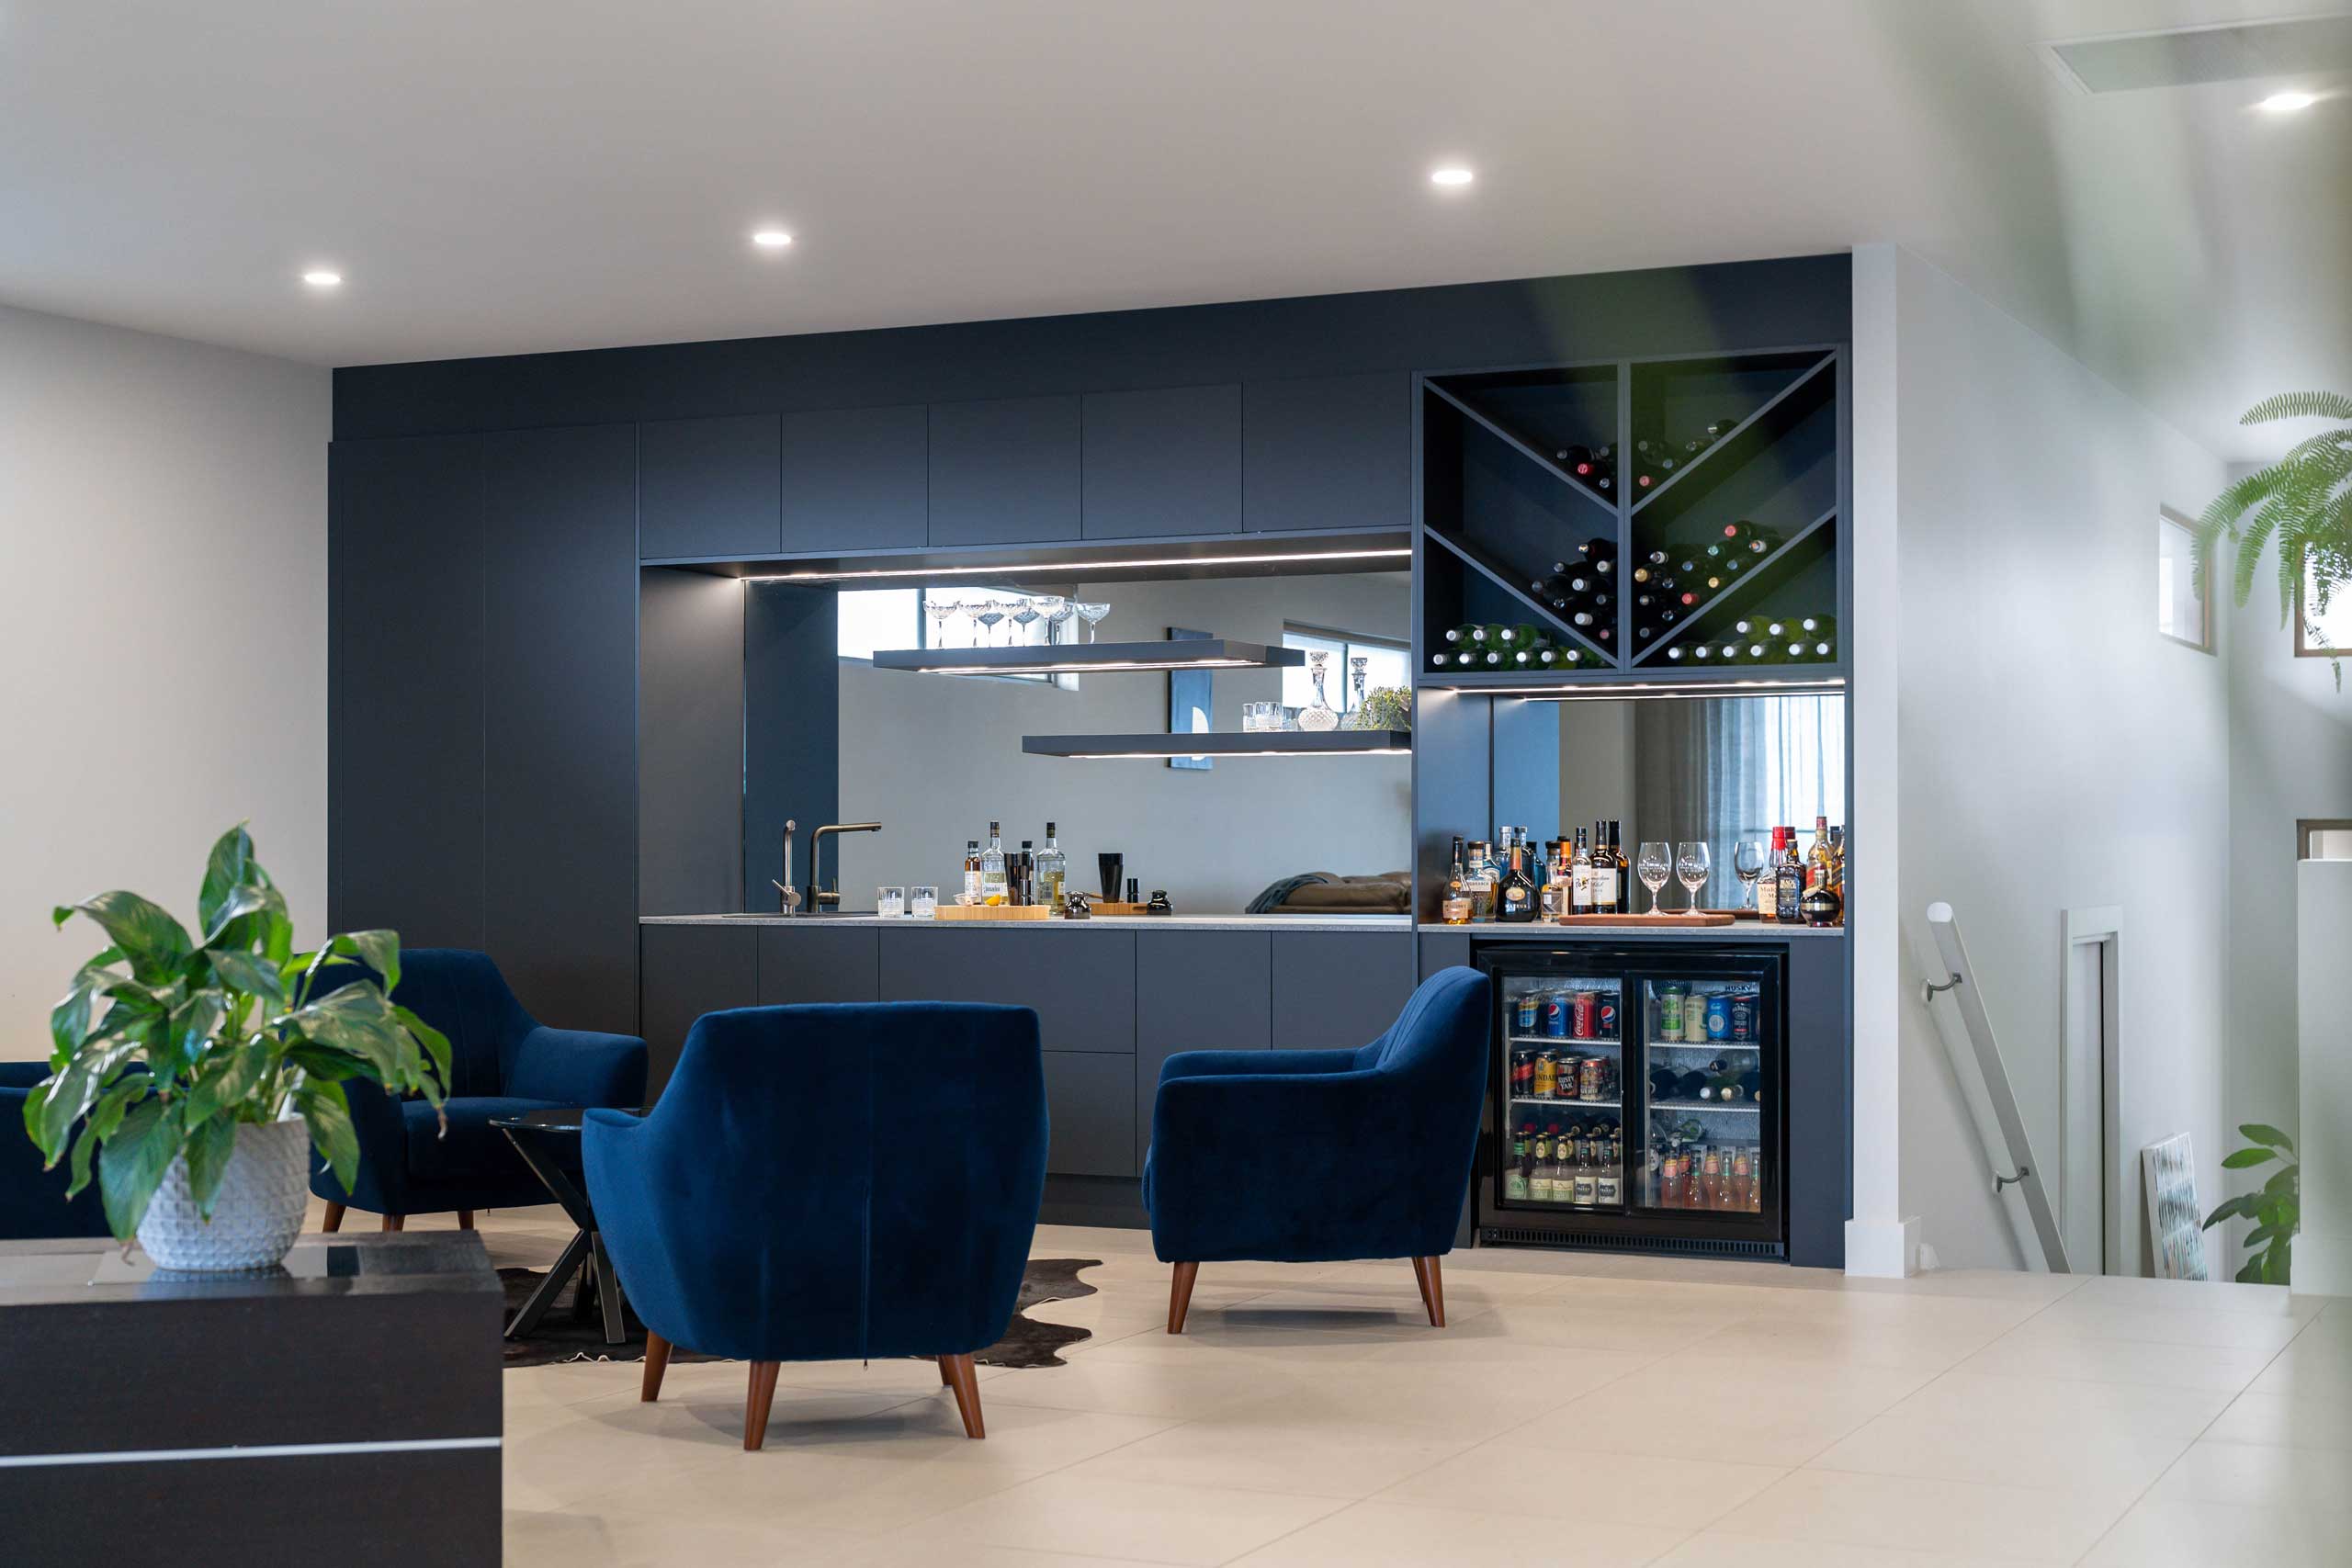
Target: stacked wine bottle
(1583, 592)
(1670, 583)
(1596, 466)
(1498, 648)
(1780, 639)
(1656, 461)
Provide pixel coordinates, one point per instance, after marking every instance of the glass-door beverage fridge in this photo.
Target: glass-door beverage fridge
(1636, 1097)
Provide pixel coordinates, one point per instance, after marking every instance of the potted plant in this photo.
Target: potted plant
(199, 1073)
(2304, 498)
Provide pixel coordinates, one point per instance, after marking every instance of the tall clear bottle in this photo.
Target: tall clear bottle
(994, 889)
(1053, 873)
(1581, 878)
(972, 870)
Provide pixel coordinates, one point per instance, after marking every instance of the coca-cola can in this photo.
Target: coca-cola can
(1582, 1006)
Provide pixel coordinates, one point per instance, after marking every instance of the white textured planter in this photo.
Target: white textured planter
(257, 1216)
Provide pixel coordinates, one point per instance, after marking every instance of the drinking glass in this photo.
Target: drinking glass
(922, 903)
(988, 613)
(1055, 609)
(939, 610)
(1656, 865)
(1093, 614)
(1748, 865)
(1025, 617)
(890, 902)
(1065, 618)
(1692, 864)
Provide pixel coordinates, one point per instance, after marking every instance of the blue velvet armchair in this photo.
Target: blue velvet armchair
(33, 1205)
(502, 1062)
(1309, 1157)
(830, 1182)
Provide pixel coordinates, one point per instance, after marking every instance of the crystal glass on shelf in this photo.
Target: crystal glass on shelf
(1655, 864)
(1065, 618)
(1356, 666)
(1317, 717)
(1748, 865)
(939, 610)
(1025, 617)
(1692, 864)
(1092, 614)
(1054, 609)
(989, 614)
(922, 903)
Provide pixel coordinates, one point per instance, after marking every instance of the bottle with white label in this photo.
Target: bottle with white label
(971, 871)
(1604, 875)
(994, 888)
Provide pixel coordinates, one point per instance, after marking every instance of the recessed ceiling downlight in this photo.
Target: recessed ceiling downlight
(322, 278)
(2288, 102)
(771, 239)
(1452, 174)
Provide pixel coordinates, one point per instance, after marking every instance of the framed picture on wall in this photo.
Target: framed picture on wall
(2175, 1232)
(1191, 694)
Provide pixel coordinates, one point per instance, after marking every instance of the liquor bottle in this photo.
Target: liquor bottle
(1053, 874)
(1553, 895)
(1624, 870)
(972, 870)
(993, 887)
(1481, 882)
(1515, 892)
(1789, 897)
(1837, 861)
(1580, 877)
(1454, 907)
(1022, 872)
(1820, 862)
(1768, 885)
(1604, 872)
(1516, 1173)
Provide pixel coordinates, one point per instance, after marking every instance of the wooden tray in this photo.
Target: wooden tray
(994, 912)
(1102, 906)
(1704, 918)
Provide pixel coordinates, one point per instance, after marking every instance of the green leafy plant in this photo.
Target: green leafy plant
(2303, 501)
(2277, 1210)
(165, 1046)
(1386, 707)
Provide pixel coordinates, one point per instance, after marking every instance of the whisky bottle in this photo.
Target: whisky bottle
(1624, 868)
(1604, 872)
(1580, 877)
(1820, 862)
(1481, 882)
(1515, 893)
(1768, 885)
(972, 870)
(1788, 900)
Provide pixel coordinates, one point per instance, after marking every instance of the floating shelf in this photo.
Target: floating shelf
(1249, 743)
(1196, 653)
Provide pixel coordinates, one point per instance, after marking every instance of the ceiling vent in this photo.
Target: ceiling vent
(2302, 50)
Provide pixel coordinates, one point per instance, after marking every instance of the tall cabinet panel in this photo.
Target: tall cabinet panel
(404, 734)
(1003, 471)
(1165, 460)
(559, 686)
(710, 487)
(1327, 452)
(855, 479)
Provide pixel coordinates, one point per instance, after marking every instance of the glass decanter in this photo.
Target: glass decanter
(1317, 715)
(1356, 665)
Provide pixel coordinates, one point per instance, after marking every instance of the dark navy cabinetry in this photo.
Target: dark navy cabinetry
(1004, 471)
(1326, 452)
(709, 486)
(855, 478)
(1163, 461)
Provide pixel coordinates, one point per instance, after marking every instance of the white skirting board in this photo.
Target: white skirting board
(2323, 1031)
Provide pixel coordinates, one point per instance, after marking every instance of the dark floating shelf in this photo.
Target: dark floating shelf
(1198, 653)
(1249, 744)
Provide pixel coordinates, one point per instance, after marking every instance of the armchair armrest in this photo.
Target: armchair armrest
(1253, 1063)
(579, 1067)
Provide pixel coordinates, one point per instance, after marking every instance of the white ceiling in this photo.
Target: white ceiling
(497, 177)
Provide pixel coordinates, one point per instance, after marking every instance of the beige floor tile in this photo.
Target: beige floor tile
(1578, 1481)
(1027, 1436)
(2286, 1420)
(1351, 1462)
(1907, 1345)
(1604, 1324)
(2065, 1450)
(2224, 1534)
(1737, 1412)
(1394, 1535)
(1174, 1390)
(2217, 1368)
(2188, 1295)
(792, 1486)
(1713, 1548)
(2078, 1319)
(2259, 1475)
(1992, 1284)
(579, 1538)
(1908, 1514)
(2315, 1365)
(890, 1553)
(1986, 1399)
(1461, 1399)
(1153, 1521)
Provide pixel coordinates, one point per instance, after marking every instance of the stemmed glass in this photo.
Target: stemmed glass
(1093, 614)
(1692, 864)
(1748, 865)
(1025, 617)
(989, 613)
(1065, 615)
(1054, 608)
(1656, 865)
(939, 610)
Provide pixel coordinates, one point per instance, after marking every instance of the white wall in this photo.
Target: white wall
(2052, 750)
(164, 631)
(932, 756)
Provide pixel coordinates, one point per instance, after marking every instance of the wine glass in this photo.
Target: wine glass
(938, 610)
(1692, 863)
(1093, 615)
(1054, 608)
(1025, 617)
(1748, 865)
(1065, 620)
(990, 612)
(1655, 864)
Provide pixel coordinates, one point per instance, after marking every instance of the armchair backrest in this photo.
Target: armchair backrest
(461, 994)
(854, 1179)
(1437, 1052)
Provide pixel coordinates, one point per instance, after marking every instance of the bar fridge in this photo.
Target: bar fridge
(1636, 1098)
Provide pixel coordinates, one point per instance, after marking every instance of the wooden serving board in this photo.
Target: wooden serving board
(994, 912)
(1102, 908)
(1703, 917)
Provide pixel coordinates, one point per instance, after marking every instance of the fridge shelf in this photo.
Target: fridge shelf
(1568, 1104)
(1611, 1042)
(1703, 1047)
(1717, 1107)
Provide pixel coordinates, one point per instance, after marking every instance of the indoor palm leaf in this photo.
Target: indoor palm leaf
(2303, 502)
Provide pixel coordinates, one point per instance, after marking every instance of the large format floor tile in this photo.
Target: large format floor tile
(1394, 1535)
(1150, 1521)
(1907, 1513)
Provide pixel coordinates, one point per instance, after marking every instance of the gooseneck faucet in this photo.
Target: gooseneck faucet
(818, 899)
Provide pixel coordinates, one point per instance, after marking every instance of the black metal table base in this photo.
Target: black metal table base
(584, 1255)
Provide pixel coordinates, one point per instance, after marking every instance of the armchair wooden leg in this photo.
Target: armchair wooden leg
(1421, 1281)
(1433, 1289)
(1180, 1295)
(946, 1379)
(957, 1372)
(465, 1219)
(657, 1362)
(334, 1219)
(756, 1406)
(395, 1222)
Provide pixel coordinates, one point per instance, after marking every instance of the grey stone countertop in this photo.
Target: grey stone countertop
(1739, 930)
(1398, 923)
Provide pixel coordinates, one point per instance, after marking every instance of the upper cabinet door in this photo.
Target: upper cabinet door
(1327, 452)
(1163, 461)
(1004, 471)
(853, 478)
(707, 487)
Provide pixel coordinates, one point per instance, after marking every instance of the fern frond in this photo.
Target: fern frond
(2300, 405)
(2220, 515)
